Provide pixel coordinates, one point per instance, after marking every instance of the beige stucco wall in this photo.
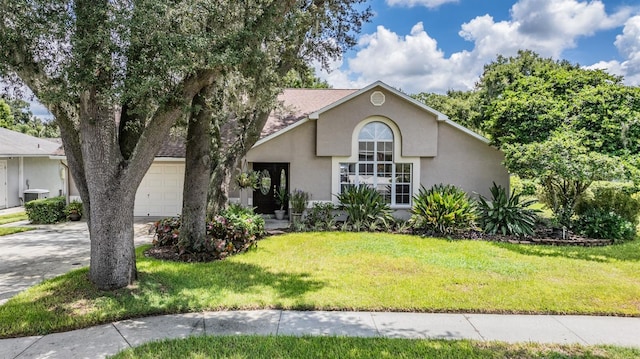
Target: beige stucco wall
(464, 161)
(297, 147)
(419, 128)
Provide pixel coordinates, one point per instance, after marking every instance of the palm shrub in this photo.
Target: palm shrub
(506, 214)
(443, 209)
(365, 207)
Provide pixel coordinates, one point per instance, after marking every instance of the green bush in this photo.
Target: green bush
(611, 199)
(609, 211)
(233, 231)
(320, 217)
(506, 214)
(442, 209)
(365, 207)
(597, 223)
(524, 187)
(166, 231)
(47, 210)
(74, 207)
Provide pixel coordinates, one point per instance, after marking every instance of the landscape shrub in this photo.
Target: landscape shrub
(232, 231)
(47, 210)
(614, 199)
(601, 224)
(320, 217)
(609, 211)
(365, 207)
(506, 214)
(299, 200)
(524, 187)
(166, 231)
(442, 209)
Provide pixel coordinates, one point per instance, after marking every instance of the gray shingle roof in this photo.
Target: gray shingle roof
(297, 104)
(18, 144)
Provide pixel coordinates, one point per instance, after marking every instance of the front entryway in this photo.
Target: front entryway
(265, 203)
(3, 184)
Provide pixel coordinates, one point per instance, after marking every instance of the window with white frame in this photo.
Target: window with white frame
(376, 167)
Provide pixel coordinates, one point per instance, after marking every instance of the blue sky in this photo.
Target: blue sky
(437, 45)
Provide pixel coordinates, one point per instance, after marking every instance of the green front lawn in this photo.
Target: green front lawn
(336, 347)
(13, 217)
(349, 271)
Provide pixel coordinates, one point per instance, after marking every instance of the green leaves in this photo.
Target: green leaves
(506, 214)
(443, 209)
(365, 207)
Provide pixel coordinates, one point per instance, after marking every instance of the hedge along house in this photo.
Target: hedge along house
(326, 139)
(28, 170)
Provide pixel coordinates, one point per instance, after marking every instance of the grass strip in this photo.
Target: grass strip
(13, 217)
(11, 230)
(238, 347)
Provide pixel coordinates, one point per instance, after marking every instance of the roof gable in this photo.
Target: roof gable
(301, 105)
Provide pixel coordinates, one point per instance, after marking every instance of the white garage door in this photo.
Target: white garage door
(160, 193)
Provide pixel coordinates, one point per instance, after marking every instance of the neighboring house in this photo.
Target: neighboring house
(326, 139)
(26, 168)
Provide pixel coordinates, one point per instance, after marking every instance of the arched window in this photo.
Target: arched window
(376, 167)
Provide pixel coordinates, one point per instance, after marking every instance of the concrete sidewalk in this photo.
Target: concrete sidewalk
(109, 339)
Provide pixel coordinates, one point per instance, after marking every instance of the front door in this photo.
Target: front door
(266, 203)
(3, 184)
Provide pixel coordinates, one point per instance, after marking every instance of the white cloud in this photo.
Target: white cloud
(426, 3)
(628, 44)
(414, 62)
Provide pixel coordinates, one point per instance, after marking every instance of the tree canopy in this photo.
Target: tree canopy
(118, 74)
(557, 122)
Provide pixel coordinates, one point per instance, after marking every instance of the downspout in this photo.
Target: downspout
(65, 180)
(21, 180)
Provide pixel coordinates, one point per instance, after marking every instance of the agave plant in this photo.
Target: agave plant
(507, 214)
(365, 207)
(443, 209)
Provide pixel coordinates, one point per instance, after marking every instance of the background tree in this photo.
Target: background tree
(6, 117)
(528, 105)
(462, 107)
(22, 120)
(565, 168)
(303, 77)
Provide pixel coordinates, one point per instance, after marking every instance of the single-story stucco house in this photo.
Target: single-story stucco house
(326, 139)
(27, 170)
(319, 140)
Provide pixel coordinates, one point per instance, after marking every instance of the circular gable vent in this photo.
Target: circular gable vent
(377, 98)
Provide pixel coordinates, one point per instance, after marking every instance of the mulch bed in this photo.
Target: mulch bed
(546, 236)
(543, 236)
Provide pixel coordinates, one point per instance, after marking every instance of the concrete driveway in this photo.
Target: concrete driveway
(28, 258)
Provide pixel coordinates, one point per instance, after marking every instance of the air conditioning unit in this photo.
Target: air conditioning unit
(33, 194)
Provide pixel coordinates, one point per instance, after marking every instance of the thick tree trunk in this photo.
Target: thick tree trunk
(113, 262)
(196, 176)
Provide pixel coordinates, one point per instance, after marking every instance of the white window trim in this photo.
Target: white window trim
(397, 158)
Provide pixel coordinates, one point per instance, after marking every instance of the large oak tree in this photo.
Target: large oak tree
(117, 74)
